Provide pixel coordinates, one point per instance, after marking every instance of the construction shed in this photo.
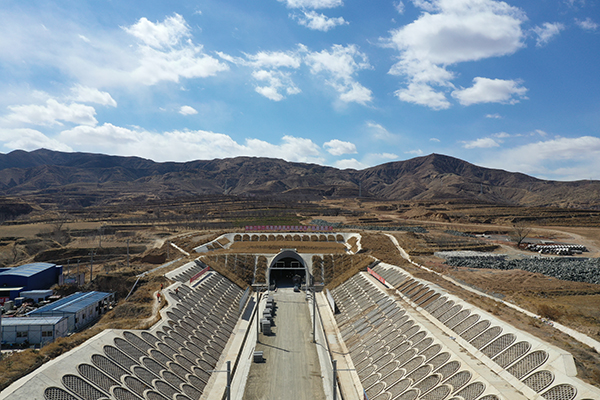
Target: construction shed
(33, 331)
(81, 308)
(31, 276)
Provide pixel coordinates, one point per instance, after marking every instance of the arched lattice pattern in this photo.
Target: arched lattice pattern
(123, 394)
(119, 357)
(443, 309)
(137, 341)
(472, 391)
(466, 323)
(129, 349)
(109, 367)
(375, 389)
(383, 396)
(388, 368)
(420, 373)
(459, 380)
(486, 337)
(136, 385)
(439, 393)
(413, 364)
(412, 394)
(448, 369)
(528, 363)
(191, 391)
(423, 344)
(475, 330)
(439, 360)
(489, 397)
(428, 383)
(399, 387)
(560, 392)
(512, 354)
(370, 380)
(165, 389)
(452, 322)
(540, 380)
(54, 393)
(431, 351)
(498, 345)
(450, 313)
(97, 377)
(80, 387)
(394, 377)
(154, 395)
(144, 374)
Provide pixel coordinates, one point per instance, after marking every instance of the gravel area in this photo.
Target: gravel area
(578, 270)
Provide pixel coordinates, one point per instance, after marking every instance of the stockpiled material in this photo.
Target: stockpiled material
(569, 269)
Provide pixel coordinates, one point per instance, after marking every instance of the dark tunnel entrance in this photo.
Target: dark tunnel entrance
(284, 278)
(287, 270)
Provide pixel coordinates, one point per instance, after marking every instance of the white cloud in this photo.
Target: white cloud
(318, 22)
(423, 94)
(547, 32)
(337, 147)
(351, 163)
(436, 140)
(316, 4)
(379, 132)
(482, 143)
(559, 158)
(417, 152)
(275, 59)
(486, 90)
(588, 24)
(399, 6)
(501, 135)
(187, 110)
(494, 116)
(188, 62)
(29, 139)
(340, 65)
(86, 94)
(185, 145)
(450, 32)
(52, 113)
(277, 81)
(160, 34)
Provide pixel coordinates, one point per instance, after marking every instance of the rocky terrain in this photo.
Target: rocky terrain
(82, 179)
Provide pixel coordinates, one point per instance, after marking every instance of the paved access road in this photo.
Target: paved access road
(291, 369)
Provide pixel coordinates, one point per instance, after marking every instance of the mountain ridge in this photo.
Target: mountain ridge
(432, 177)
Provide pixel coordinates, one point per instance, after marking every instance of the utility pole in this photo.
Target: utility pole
(127, 253)
(314, 312)
(334, 362)
(79, 259)
(228, 380)
(91, 266)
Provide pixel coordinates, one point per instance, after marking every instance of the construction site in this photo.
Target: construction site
(272, 312)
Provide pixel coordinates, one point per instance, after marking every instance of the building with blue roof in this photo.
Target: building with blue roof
(32, 331)
(33, 276)
(81, 309)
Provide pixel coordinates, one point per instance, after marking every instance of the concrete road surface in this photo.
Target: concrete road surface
(291, 369)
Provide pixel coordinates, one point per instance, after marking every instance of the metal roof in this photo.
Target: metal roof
(73, 303)
(28, 270)
(21, 321)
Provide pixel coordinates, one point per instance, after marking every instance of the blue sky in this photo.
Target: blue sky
(345, 83)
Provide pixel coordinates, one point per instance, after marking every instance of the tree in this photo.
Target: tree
(520, 231)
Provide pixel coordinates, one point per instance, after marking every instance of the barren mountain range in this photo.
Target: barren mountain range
(83, 179)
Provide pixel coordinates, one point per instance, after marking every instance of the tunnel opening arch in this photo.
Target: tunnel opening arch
(286, 267)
